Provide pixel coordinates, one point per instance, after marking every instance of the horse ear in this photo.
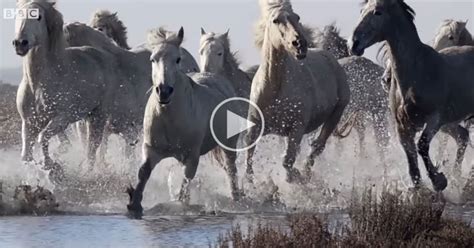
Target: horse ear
(114, 14)
(180, 35)
(203, 32)
(226, 34)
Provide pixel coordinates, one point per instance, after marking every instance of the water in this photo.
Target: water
(152, 231)
(92, 202)
(117, 231)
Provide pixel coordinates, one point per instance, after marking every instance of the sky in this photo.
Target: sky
(237, 15)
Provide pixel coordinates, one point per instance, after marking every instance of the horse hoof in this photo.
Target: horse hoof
(237, 196)
(293, 175)
(439, 182)
(56, 172)
(135, 211)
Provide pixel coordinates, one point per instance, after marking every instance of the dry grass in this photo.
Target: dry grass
(391, 220)
(10, 121)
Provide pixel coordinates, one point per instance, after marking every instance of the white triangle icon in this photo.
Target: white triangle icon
(236, 124)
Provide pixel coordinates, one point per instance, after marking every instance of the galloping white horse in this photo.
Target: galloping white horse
(177, 117)
(297, 89)
(60, 85)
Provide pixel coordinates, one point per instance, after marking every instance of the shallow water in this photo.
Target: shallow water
(116, 230)
(94, 202)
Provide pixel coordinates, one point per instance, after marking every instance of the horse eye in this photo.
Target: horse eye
(298, 18)
(152, 60)
(178, 60)
(100, 29)
(219, 54)
(450, 37)
(377, 13)
(276, 21)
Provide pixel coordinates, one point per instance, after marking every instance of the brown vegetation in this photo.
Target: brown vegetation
(392, 220)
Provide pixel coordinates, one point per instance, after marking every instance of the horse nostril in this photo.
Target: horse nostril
(24, 42)
(295, 43)
(171, 89)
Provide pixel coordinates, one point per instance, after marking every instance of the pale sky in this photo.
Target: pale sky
(238, 15)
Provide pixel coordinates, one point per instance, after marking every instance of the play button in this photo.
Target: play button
(236, 124)
(229, 121)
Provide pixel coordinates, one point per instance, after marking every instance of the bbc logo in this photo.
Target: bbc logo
(11, 13)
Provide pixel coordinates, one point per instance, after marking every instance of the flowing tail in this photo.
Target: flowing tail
(345, 130)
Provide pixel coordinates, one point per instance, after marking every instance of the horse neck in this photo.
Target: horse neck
(42, 64)
(404, 44)
(273, 67)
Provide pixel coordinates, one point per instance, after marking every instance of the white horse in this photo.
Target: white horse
(216, 57)
(109, 24)
(297, 89)
(177, 117)
(126, 116)
(368, 97)
(60, 85)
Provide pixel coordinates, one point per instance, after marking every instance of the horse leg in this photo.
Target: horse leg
(231, 170)
(382, 139)
(55, 126)
(250, 138)
(82, 132)
(461, 135)
(64, 141)
(29, 133)
(103, 147)
(443, 145)
(407, 140)
(360, 128)
(96, 124)
(318, 145)
(151, 158)
(292, 149)
(437, 178)
(190, 168)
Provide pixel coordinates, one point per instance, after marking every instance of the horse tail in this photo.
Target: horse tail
(345, 130)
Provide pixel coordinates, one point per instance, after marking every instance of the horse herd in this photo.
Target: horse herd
(307, 79)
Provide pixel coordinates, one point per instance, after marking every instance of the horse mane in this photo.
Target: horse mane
(230, 57)
(118, 29)
(384, 53)
(266, 8)
(330, 36)
(160, 36)
(409, 11)
(54, 22)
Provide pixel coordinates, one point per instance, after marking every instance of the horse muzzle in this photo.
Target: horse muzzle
(164, 94)
(301, 46)
(356, 48)
(21, 46)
